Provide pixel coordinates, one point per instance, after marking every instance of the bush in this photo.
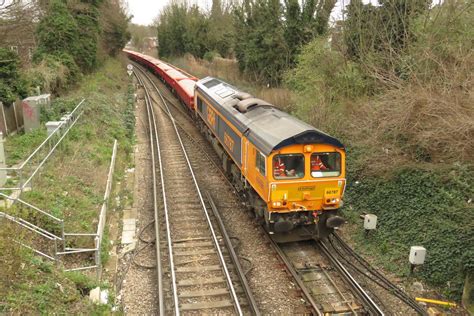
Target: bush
(323, 80)
(53, 73)
(209, 56)
(12, 85)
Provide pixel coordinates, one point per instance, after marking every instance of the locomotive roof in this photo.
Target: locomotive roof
(264, 125)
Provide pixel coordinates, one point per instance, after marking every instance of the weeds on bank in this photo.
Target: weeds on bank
(18, 147)
(70, 186)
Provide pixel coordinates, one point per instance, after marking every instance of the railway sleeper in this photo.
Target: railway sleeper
(207, 293)
(206, 305)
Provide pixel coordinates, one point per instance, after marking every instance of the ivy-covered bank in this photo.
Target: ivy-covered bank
(417, 206)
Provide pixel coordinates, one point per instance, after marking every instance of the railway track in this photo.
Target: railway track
(197, 268)
(324, 280)
(360, 266)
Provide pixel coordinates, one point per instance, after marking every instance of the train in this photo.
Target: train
(291, 174)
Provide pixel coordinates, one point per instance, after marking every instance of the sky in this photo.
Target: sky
(145, 11)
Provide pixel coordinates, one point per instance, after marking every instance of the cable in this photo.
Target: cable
(147, 243)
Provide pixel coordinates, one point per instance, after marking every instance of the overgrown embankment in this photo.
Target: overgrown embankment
(70, 186)
(395, 85)
(418, 206)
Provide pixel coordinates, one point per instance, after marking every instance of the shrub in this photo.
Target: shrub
(12, 85)
(323, 80)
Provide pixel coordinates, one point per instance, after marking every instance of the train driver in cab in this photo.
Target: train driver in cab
(291, 166)
(317, 164)
(279, 168)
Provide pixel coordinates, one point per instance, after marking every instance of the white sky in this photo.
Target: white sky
(144, 11)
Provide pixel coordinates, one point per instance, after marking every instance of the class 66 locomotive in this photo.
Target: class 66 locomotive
(291, 174)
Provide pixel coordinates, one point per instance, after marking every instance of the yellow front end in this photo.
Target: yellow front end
(297, 196)
(294, 189)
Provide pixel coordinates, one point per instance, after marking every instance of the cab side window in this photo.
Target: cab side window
(260, 162)
(199, 104)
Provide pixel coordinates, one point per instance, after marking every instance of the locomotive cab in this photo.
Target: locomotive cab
(307, 183)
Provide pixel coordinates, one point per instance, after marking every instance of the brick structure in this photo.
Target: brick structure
(17, 30)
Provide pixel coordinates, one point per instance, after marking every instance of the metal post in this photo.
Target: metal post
(63, 235)
(97, 257)
(17, 128)
(56, 251)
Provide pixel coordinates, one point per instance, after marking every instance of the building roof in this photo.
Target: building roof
(263, 124)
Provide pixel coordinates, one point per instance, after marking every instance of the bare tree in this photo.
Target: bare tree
(18, 19)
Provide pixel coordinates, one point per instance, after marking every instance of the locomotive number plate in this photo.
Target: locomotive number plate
(332, 191)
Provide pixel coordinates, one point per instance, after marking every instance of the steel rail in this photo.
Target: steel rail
(275, 246)
(307, 295)
(206, 213)
(293, 272)
(152, 128)
(374, 309)
(386, 284)
(233, 255)
(165, 207)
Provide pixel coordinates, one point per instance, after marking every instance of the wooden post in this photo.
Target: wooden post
(3, 173)
(17, 127)
(468, 293)
(4, 119)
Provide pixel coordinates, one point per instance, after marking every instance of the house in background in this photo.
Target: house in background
(17, 29)
(149, 45)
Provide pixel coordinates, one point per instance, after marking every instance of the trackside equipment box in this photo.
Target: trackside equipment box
(31, 110)
(417, 255)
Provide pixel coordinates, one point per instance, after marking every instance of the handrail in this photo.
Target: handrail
(74, 117)
(30, 226)
(31, 206)
(103, 209)
(48, 138)
(49, 154)
(48, 235)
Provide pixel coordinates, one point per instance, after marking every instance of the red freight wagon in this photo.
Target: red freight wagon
(173, 76)
(186, 92)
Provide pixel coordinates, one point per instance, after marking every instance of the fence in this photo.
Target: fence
(11, 118)
(59, 242)
(25, 172)
(98, 235)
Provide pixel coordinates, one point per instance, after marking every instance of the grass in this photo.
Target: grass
(18, 147)
(31, 285)
(70, 186)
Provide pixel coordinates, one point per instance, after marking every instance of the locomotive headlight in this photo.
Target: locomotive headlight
(276, 204)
